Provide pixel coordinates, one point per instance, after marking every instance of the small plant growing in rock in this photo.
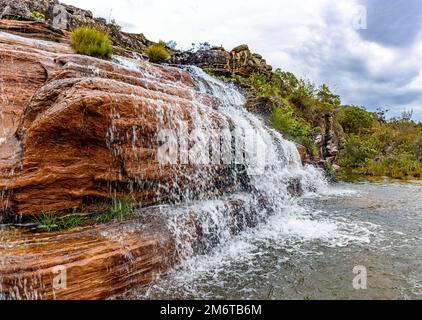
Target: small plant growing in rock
(38, 16)
(119, 210)
(157, 53)
(48, 221)
(72, 222)
(91, 42)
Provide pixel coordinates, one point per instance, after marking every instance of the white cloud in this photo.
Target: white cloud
(315, 39)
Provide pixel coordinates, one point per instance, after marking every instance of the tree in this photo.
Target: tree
(326, 97)
(355, 119)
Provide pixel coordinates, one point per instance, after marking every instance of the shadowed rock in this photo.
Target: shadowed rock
(240, 61)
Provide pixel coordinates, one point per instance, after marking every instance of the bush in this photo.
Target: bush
(354, 119)
(397, 165)
(263, 86)
(359, 150)
(38, 16)
(157, 52)
(293, 128)
(91, 42)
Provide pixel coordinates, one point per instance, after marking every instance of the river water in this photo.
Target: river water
(309, 251)
(305, 246)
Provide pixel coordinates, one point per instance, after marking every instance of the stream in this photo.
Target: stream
(309, 251)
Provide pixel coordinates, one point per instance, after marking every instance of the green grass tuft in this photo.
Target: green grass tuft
(157, 53)
(48, 221)
(119, 210)
(52, 221)
(91, 42)
(38, 16)
(73, 222)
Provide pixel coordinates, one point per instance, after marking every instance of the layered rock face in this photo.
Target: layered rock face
(78, 130)
(85, 264)
(66, 17)
(328, 141)
(106, 260)
(214, 59)
(240, 61)
(243, 62)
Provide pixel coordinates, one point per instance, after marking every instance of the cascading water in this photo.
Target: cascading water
(273, 165)
(259, 226)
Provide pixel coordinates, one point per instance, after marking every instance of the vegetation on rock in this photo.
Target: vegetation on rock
(387, 148)
(119, 210)
(38, 16)
(157, 53)
(355, 120)
(91, 42)
(368, 143)
(52, 221)
(293, 127)
(48, 221)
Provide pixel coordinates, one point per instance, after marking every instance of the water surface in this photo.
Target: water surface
(309, 250)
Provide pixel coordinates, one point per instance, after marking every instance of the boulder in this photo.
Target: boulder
(244, 63)
(66, 17)
(304, 154)
(240, 61)
(215, 60)
(78, 130)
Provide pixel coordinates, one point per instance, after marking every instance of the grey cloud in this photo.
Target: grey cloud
(312, 38)
(392, 22)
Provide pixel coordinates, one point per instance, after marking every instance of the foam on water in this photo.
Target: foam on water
(284, 223)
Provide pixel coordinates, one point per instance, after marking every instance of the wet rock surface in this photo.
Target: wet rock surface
(77, 128)
(60, 16)
(107, 260)
(88, 263)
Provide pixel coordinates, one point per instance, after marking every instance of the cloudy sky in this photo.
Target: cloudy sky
(368, 51)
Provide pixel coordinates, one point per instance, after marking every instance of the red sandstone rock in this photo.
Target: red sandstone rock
(77, 129)
(88, 263)
(105, 260)
(304, 155)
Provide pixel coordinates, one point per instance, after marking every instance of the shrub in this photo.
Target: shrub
(358, 150)
(397, 165)
(91, 42)
(292, 127)
(354, 119)
(263, 87)
(38, 16)
(157, 52)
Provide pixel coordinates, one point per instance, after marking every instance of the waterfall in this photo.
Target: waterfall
(277, 159)
(273, 166)
(273, 163)
(212, 234)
